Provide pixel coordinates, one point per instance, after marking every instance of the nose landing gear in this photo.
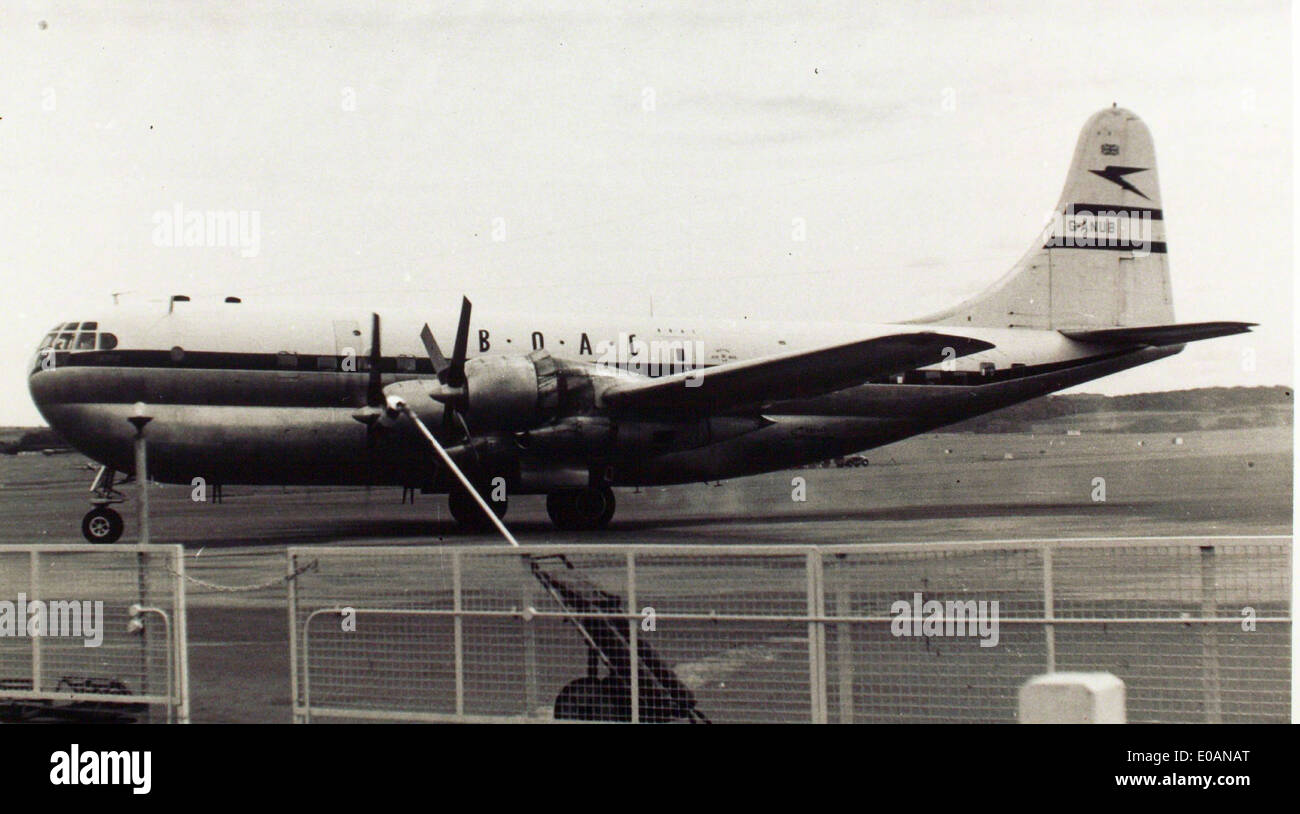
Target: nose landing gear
(102, 524)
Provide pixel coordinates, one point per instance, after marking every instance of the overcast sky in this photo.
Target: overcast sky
(637, 152)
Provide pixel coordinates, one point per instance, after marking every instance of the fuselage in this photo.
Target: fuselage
(246, 394)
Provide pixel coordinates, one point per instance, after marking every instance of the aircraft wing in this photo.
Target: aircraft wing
(1158, 335)
(798, 374)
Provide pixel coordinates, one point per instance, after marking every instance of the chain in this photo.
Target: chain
(270, 583)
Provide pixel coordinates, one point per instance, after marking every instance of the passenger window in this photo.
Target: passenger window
(63, 342)
(324, 362)
(406, 363)
(287, 359)
(86, 341)
(107, 341)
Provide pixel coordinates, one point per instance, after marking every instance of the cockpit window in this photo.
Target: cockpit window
(107, 341)
(86, 340)
(89, 326)
(63, 342)
(48, 341)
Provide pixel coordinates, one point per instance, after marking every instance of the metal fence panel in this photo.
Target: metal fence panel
(138, 671)
(785, 633)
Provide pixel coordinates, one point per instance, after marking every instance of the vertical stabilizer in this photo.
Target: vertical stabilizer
(1102, 262)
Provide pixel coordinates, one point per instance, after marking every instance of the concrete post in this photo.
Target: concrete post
(1073, 698)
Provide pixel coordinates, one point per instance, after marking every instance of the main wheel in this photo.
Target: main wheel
(102, 525)
(468, 513)
(581, 509)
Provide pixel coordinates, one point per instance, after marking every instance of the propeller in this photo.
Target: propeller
(377, 410)
(452, 383)
(384, 410)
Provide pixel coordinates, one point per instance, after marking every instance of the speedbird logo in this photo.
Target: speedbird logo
(1116, 175)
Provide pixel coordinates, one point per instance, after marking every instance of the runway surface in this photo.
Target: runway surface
(939, 487)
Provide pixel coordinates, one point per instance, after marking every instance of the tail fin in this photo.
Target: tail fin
(1102, 263)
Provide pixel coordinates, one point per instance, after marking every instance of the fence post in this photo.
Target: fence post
(844, 641)
(634, 647)
(1209, 643)
(294, 692)
(142, 591)
(180, 640)
(34, 583)
(816, 636)
(530, 647)
(458, 627)
(1049, 608)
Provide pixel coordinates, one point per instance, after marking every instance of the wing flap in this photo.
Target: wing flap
(1158, 335)
(797, 374)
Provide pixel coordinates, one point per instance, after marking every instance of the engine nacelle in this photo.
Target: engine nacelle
(510, 393)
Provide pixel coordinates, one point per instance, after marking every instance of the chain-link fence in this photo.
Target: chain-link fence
(1198, 629)
(93, 634)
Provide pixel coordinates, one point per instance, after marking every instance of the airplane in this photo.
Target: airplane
(574, 406)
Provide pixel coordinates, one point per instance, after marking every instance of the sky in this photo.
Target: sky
(617, 157)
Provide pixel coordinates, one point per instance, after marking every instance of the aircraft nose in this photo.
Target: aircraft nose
(38, 383)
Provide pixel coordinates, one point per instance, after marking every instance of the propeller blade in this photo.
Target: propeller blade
(434, 352)
(456, 370)
(375, 386)
(454, 426)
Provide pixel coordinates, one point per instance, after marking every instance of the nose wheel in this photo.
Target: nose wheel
(102, 525)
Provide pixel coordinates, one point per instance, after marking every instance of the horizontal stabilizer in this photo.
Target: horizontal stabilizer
(1158, 335)
(798, 374)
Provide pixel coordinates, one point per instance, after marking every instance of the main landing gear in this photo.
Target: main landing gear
(581, 509)
(584, 509)
(466, 511)
(102, 524)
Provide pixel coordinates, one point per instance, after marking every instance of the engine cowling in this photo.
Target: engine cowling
(510, 393)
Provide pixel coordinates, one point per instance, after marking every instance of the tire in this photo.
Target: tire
(610, 505)
(468, 514)
(102, 525)
(581, 509)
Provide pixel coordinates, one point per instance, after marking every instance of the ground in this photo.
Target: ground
(936, 487)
